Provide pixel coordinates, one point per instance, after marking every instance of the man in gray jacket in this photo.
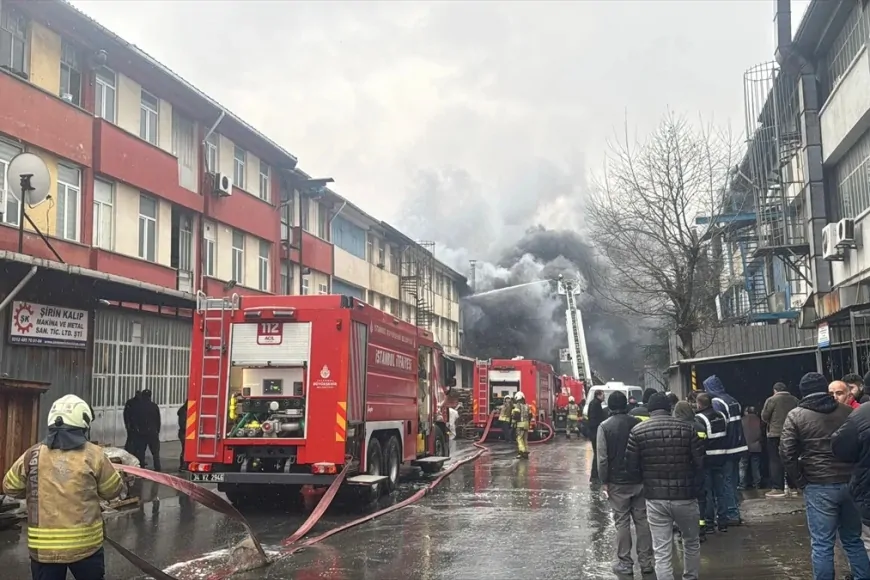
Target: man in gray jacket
(773, 413)
(624, 490)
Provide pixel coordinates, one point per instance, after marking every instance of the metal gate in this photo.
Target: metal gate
(132, 352)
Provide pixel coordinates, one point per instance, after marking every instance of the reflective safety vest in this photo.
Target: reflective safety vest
(521, 415)
(573, 411)
(736, 442)
(716, 432)
(505, 414)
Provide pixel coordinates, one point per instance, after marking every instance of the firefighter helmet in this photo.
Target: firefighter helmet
(507, 396)
(570, 399)
(519, 396)
(72, 412)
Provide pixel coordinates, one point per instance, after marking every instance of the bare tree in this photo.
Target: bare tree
(643, 215)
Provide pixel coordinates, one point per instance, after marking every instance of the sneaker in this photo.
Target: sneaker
(648, 571)
(775, 494)
(722, 528)
(623, 570)
(709, 529)
(735, 523)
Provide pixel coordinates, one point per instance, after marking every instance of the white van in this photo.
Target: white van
(611, 387)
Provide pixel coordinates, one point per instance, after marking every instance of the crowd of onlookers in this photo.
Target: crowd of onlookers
(677, 468)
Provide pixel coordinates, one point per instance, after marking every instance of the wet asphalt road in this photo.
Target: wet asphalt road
(494, 518)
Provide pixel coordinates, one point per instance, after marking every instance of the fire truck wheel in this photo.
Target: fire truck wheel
(392, 462)
(374, 466)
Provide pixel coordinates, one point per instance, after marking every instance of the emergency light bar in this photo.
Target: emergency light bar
(286, 313)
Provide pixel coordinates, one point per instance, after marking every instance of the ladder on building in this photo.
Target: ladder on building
(215, 329)
(482, 395)
(576, 336)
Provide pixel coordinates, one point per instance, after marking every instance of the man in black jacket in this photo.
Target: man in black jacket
(596, 417)
(624, 490)
(718, 495)
(856, 385)
(641, 411)
(806, 446)
(669, 457)
(851, 443)
(147, 422)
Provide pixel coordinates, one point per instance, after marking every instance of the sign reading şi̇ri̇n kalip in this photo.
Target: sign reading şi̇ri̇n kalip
(35, 324)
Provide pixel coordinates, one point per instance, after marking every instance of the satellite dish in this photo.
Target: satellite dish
(28, 171)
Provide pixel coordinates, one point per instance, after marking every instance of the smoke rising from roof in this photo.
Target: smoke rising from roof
(528, 228)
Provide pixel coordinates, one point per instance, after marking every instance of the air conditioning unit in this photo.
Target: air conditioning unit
(846, 233)
(830, 251)
(185, 281)
(223, 185)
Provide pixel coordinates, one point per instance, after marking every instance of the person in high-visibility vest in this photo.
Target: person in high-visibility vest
(504, 417)
(522, 421)
(63, 479)
(573, 418)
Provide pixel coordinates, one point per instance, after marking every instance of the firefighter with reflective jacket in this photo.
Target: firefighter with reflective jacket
(63, 479)
(573, 418)
(505, 416)
(522, 417)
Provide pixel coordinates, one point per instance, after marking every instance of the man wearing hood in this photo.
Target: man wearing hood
(806, 450)
(641, 411)
(147, 422)
(63, 479)
(735, 442)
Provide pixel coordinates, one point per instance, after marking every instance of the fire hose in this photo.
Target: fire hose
(293, 543)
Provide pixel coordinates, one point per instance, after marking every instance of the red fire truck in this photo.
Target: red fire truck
(493, 379)
(567, 387)
(287, 390)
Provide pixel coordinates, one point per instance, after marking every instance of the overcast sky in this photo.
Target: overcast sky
(374, 93)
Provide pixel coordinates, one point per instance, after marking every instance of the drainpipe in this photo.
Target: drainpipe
(332, 219)
(335, 215)
(214, 127)
(11, 296)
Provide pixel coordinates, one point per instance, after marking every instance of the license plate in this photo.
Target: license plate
(207, 477)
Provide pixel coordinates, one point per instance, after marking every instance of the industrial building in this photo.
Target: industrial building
(157, 193)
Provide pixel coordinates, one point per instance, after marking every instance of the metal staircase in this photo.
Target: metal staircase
(416, 280)
(215, 328)
(753, 277)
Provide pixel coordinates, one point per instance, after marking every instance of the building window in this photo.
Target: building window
(322, 222)
(12, 209)
(209, 248)
(382, 302)
(322, 289)
(286, 278)
(240, 157)
(104, 216)
(265, 248)
(394, 307)
(149, 107)
(13, 38)
(69, 195)
(147, 228)
(304, 211)
(287, 219)
(106, 95)
(185, 242)
(382, 255)
(70, 73)
(843, 49)
(370, 250)
(212, 148)
(238, 257)
(265, 182)
(305, 285)
(853, 182)
(394, 260)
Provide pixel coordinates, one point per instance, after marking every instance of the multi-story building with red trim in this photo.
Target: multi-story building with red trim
(157, 193)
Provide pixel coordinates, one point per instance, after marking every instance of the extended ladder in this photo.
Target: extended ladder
(576, 336)
(482, 395)
(214, 349)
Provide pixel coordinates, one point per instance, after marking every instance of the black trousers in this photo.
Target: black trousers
(148, 442)
(91, 568)
(594, 476)
(777, 473)
(181, 439)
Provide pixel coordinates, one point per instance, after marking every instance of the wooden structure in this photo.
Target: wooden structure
(19, 418)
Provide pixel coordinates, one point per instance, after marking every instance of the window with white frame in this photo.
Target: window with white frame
(106, 95)
(265, 182)
(322, 222)
(370, 250)
(149, 112)
(263, 263)
(13, 38)
(104, 215)
(238, 257)
(70, 73)
(209, 248)
(147, 228)
(212, 152)
(286, 278)
(240, 158)
(304, 211)
(305, 285)
(69, 196)
(323, 288)
(382, 254)
(12, 210)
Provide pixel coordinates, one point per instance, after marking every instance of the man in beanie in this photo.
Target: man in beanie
(669, 457)
(735, 441)
(805, 448)
(642, 411)
(624, 489)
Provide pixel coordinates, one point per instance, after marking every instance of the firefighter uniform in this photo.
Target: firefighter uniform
(573, 418)
(715, 460)
(522, 420)
(701, 428)
(63, 479)
(505, 417)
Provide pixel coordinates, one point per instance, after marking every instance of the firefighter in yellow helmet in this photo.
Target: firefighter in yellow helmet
(573, 418)
(63, 479)
(504, 417)
(521, 418)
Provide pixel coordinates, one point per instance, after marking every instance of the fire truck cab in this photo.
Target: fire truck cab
(499, 377)
(288, 390)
